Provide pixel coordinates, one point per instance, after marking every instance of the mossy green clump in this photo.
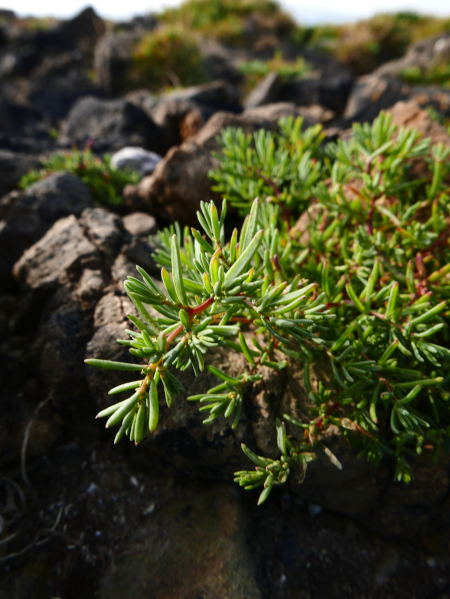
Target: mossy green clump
(256, 70)
(167, 57)
(105, 182)
(38, 24)
(367, 44)
(437, 74)
(224, 20)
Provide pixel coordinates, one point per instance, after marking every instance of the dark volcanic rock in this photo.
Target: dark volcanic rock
(104, 229)
(372, 94)
(331, 92)
(64, 250)
(13, 166)
(218, 96)
(170, 110)
(141, 253)
(19, 120)
(47, 70)
(113, 59)
(29, 214)
(53, 96)
(207, 556)
(434, 97)
(29, 47)
(85, 28)
(18, 412)
(422, 55)
(112, 124)
(267, 92)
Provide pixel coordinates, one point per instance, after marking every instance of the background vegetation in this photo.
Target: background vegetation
(105, 182)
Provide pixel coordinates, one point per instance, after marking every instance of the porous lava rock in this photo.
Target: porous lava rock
(27, 215)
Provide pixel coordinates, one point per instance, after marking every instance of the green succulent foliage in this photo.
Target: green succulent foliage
(255, 70)
(377, 248)
(281, 166)
(225, 398)
(436, 74)
(275, 472)
(105, 182)
(211, 290)
(363, 289)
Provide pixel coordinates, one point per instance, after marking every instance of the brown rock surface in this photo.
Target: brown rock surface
(412, 116)
(180, 182)
(421, 55)
(194, 546)
(29, 214)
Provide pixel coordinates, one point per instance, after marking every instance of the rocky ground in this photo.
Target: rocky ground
(81, 518)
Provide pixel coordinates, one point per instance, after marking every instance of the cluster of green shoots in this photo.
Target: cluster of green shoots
(168, 57)
(436, 74)
(255, 70)
(361, 289)
(226, 20)
(105, 182)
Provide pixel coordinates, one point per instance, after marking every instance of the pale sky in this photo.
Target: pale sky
(304, 11)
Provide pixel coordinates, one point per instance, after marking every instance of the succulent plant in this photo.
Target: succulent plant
(362, 288)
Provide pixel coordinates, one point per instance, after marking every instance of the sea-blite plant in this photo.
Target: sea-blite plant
(362, 287)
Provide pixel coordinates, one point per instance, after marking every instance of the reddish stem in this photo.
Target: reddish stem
(200, 308)
(192, 313)
(386, 382)
(174, 334)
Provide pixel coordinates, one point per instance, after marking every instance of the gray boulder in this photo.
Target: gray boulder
(422, 55)
(370, 94)
(20, 120)
(140, 224)
(55, 258)
(111, 125)
(28, 215)
(13, 165)
(170, 110)
(373, 93)
(332, 92)
(267, 92)
(112, 60)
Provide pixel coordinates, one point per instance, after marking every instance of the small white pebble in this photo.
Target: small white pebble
(149, 510)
